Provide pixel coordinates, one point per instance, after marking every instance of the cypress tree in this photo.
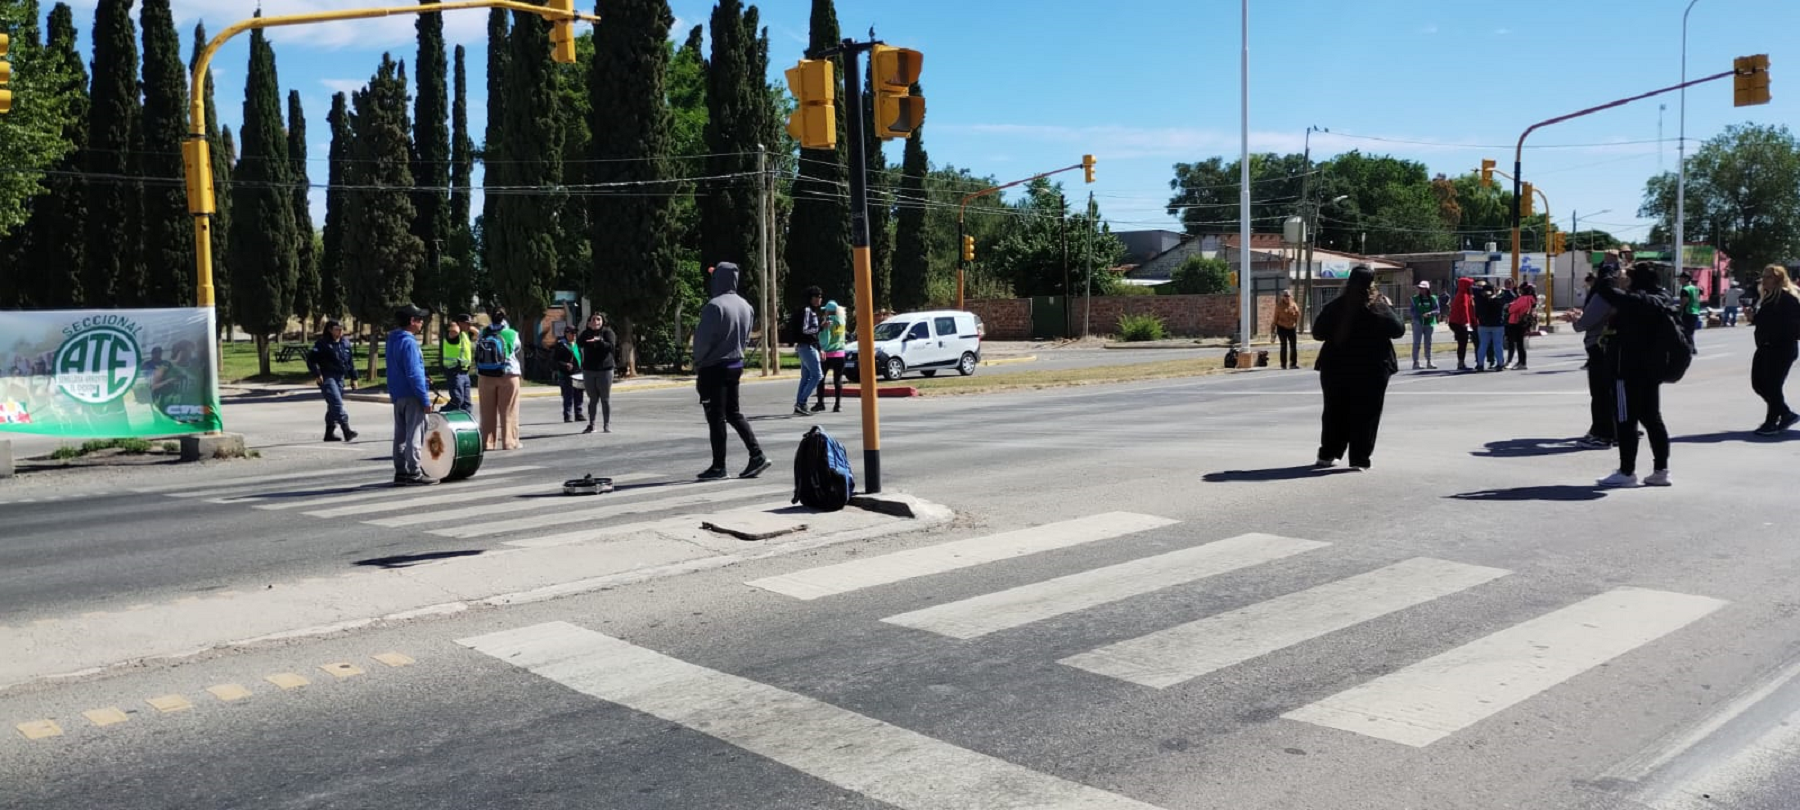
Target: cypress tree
(521, 244)
(912, 238)
(264, 264)
(307, 280)
(634, 259)
(459, 280)
(881, 199)
(21, 21)
(224, 156)
(168, 227)
(381, 251)
(496, 170)
(332, 263)
(53, 240)
(818, 243)
(431, 158)
(114, 267)
(734, 126)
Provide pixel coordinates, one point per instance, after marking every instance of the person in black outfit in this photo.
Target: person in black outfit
(598, 362)
(1777, 329)
(567, 361)
(1633, 353)
(1490, 330)
(331, 362)
(1592, 321)
(1357, 329)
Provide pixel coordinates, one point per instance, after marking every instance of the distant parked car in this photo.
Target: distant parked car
(925, 342)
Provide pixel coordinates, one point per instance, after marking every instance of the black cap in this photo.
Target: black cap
(405, 313)
(814, 292)
(463, 317)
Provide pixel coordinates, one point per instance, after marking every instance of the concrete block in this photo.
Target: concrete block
(206, 446)
(902, 505)
(6, 458)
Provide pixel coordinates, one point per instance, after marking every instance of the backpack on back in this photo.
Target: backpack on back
(490, 355)
(1671, 353)
(822, 476)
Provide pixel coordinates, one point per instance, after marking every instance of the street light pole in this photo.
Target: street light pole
(1245, 276)
(1681, 150)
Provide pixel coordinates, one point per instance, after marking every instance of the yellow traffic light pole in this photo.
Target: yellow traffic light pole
(196, 155)
(963, 240)
(1549, 226)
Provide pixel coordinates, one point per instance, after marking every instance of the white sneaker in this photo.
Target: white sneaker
(1660, 478)
(1322, 461)
(1619, 480)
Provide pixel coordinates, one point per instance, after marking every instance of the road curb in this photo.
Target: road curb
(1007, 361)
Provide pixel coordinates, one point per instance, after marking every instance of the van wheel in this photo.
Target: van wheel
(929, 373)
(893, 368)
(966, 365)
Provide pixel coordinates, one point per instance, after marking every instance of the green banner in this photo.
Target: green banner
(109, 373)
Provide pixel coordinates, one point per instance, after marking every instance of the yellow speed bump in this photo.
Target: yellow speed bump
(170, 703)
(228, 692)
(39, 729)
(393, 659)
(342, 670)
(109, 716)
(287, 680)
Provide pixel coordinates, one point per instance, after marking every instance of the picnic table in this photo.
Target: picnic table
(291, 352)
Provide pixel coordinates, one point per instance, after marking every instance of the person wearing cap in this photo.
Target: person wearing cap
(1730, 303)
(1357, 330)
(457, 353)
(566, 357)
(806, 326)
(1425, 314)
(1691, 307)
(332, 362)
(1638, 369)
(1592, 322)
(410, 392)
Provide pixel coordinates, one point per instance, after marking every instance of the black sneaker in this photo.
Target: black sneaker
(800, 410)
(331, 436)
(1790, 420)
(818, 407)
(419, 480)
(590, 428)
(1769, 429)
(350, 435)
(755, 468)
(712, 474)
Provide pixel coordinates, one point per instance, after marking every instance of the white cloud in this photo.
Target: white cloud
(345, 86)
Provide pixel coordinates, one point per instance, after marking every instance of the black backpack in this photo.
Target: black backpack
(822, 476)
(1671, 353)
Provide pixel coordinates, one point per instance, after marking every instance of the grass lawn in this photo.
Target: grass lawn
(1096, 375)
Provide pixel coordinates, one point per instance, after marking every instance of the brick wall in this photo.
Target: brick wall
(1184, 315)
(1004, 318)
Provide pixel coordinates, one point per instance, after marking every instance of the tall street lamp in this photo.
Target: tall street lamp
(1681, 151)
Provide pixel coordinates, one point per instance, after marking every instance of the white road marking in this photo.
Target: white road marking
(814, 583)
(558, 514)
(432, 497)
(1187, 651)
(1755, 768)
(1025, 604)
(1643, 766)
(1440, 696)
(881, 761)
(374, 490)
(196, 489)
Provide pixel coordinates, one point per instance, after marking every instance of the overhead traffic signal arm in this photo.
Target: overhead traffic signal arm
(898, 113)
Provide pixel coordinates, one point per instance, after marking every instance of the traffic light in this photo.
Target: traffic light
(1087, 167)
(1751, 84)
(5, 75)
(562, 31)
(897, 113)
(1487, 173)
(1527, 207)
(968, 248)
(1557, 244)
(814, 122)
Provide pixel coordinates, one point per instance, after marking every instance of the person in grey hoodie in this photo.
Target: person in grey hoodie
(1592, 323)
(719, 340)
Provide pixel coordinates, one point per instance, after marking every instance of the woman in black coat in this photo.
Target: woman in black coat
(1777, 328)
(1357, 329)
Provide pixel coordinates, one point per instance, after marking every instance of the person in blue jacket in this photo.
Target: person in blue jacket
(332, 363)
(410, 391)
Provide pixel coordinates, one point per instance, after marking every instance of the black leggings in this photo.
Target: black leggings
(1290, 345)
(1515, 343)
(718, 388)
(1352, 415)
(835, 367)
(1601, 396)
(1768, 375)
(1640, 402)
(1461, 330)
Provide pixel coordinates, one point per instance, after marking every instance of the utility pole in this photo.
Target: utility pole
(1245, 272)
(770, 319)
(1062, 222)
(1093, 224)
(771, 293)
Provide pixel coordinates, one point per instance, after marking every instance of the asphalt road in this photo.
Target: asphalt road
(1146, 601)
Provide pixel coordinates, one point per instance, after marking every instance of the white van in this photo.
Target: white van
(924, 342)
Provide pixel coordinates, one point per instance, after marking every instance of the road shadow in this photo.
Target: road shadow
(409, 560)
(312, 493)
(1272, 474)
(1550, 492)
(1736, 436)
(1527, 448)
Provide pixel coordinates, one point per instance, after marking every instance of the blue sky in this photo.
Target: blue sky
(1016, 87)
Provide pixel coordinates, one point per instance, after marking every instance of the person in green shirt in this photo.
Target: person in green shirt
(1690, 309)
(458, 356)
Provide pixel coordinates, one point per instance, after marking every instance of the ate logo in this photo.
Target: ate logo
(98, 362)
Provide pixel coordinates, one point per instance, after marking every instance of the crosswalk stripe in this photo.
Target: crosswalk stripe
(563, 517)
(239, 492)
(461, 492)
(1023, 605)
(203, 487)
(588, 535)
(382, 489)
(884, 762)
(1187, 651)
(814, 583)
(1439, 696)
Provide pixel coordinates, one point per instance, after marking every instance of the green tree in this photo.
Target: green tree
(115, 201)
(818, 241)
(382, 252)
(48, 120)
(460, 267)
(224, 156)
(496, 170)
(729, 207)
(334, 265)
(264, 263)
(1391, 206)
(1740, 197)
(634, 260)
(521, 244)
(1043, 251)
(431, 158)
(308, 292)
(570, 217)
(1201, 276)
(168, 227)
(1206, 192)
(912, 239)
(988, 219)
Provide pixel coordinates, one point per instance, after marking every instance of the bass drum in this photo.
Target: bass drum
(452, 446)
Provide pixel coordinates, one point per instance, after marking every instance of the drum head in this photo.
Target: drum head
(439, 454)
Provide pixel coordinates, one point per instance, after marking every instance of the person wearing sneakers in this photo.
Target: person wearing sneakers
(725, 324)
(1425, 314)
(1287, 329)
(1592, 324)
(1490, 315)
(1357, 329)
(1638, 368)
(1462, 321)
(806, 326)
(331, 363)
(1777, 330)
(410, 391)
(831, 348)
(1521, 317)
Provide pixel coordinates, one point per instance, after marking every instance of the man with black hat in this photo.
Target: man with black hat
(410, 391)
(458, 351)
